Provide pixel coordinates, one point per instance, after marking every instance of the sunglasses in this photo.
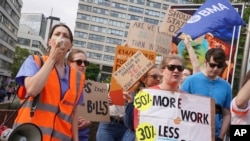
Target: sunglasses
(212, 65)
(155, 76)
(79, 62)
(173, 67)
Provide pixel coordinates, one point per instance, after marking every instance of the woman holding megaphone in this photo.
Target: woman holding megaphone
(52, 88)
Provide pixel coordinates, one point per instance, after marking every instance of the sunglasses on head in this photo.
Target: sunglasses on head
(173, 67)
(155, 76)
(212, 65)
(79, 62)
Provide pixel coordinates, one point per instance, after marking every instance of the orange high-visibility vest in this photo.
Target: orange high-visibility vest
(53, 114)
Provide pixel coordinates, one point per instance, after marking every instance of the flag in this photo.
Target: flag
(211, 16)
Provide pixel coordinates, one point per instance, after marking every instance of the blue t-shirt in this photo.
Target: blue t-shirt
(218, 89)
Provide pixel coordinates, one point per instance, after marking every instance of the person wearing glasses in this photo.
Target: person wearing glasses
(53, 87)
(151, 78)
(209, 83)
(77, 59)
(169, 77)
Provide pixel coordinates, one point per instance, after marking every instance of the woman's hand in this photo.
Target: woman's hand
(82, 123)
(127, 95)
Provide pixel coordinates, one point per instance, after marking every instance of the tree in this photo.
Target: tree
(92, 71)
(20, 55)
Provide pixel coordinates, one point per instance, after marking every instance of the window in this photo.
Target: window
(108, 58)
(109, 49)
(153, 4)
(99, 20)
(83, 16)
(79, 43)
(96, 37)
(152, 21)
(82, 25)
(81, 35)
(98, 28)
(115, 32)
(114, 41)
(35, 43)
(119, 6)
(117, 14)
(85, 7)
(100, 11)
(23, 41)
(95, 46)
(135, 9)
(117, 23)
(94, 55)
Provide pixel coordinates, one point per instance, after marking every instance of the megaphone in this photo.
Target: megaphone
(24, 132)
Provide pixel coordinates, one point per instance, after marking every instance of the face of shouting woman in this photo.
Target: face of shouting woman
(60, 41)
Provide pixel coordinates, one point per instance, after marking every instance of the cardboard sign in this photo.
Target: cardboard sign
(147, 36)
(165, 115)
(122, 55)
(132, 70)
(173, 21)
(96, 106)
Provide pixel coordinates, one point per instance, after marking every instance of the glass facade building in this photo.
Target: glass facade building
(10, 13)
(101, 25)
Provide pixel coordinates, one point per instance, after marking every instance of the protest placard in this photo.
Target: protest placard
(173, 21)
(146, 36)
(132, 70)
(122, 55)
(165, 115)
(96, 106)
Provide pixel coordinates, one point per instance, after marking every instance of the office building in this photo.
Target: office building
(28, 39)
(101, 25)
(10, 13)
(34, 31)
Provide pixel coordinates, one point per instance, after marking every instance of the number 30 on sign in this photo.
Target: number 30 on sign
(145, 132)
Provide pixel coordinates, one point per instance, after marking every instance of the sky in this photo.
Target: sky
(64, 9)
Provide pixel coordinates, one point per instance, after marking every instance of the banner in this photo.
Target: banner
(212, 15)
(164, 115)
(225, 37)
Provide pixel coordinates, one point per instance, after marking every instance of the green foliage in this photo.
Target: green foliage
(240, 53)
(92, 71)
(107, 80)
(199, 1)
(20, 55)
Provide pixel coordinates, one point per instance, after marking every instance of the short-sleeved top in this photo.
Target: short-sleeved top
(240, 116)
(218, 89)
(30, 68)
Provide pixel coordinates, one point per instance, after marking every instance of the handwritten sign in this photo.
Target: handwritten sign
(132, 70)
(96, 106)
(147, 36)
(122, 55)
(173, 21)
(165, 115)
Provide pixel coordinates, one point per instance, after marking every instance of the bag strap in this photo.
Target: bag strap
(36, 98)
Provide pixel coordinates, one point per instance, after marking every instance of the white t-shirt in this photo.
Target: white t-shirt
(240, 116)
(116, 110)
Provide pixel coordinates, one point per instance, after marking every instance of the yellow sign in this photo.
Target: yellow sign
(143, 101)
(146, 132)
